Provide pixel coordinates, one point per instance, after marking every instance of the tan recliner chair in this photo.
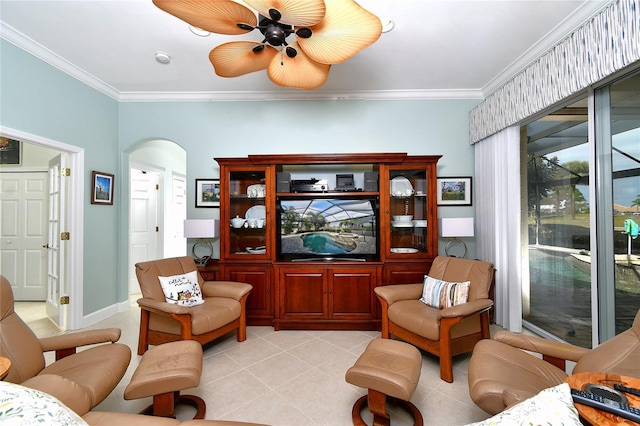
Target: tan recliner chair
(161, 322)
(442, 332)
(82, 379)
(501, 374)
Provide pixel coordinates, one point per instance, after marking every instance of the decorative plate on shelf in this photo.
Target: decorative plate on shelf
(256, 212)
(401, 187)
(257, 250)
(403, 250)
(402, 224)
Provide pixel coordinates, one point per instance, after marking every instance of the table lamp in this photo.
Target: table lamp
(202, 229)
(456, 228)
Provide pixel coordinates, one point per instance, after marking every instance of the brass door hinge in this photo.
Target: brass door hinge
(157, 186)
(64, 300)
(65, 236)
(65, 171)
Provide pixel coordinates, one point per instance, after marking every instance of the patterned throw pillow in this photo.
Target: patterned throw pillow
(182, 289)
(552, 406)
(442, 294)
(20, 406)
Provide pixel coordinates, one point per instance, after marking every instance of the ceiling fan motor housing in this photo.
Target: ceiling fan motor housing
(275, 33)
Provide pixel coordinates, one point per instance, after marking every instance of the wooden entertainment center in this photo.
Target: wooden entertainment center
(269, 196)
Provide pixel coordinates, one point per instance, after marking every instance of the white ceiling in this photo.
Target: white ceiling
(438, 48)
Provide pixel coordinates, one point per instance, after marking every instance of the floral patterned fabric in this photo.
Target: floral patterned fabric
(20, 406)
(552, 406)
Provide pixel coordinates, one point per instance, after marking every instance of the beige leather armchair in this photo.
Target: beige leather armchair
(94, 372)
(442, 332)
(502, 374)
(162, 322)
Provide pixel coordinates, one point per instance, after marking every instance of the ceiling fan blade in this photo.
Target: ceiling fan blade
(215, 16)
(238, 58)
(346, 29)
(294, 12)
(300, 71)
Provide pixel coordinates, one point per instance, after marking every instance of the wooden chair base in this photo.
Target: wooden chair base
(377, 403)
(164, 405)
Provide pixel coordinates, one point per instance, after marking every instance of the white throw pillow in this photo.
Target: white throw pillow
(442, 294)
(552, 406)
(182, 289)
(22, 406)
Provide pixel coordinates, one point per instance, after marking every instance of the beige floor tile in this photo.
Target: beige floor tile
(286, 377)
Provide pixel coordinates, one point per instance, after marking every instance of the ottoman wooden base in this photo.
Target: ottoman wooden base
(163, 372)
(377, 403)
(389, 370)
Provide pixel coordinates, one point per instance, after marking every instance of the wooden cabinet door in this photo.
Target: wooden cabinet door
(302, 293)
(260, 301)
(405, 273)
(351, 293)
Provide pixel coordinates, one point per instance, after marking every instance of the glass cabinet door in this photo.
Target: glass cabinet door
(247, 213)
(408, 212)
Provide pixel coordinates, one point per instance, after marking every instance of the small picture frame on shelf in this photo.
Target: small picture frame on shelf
(102, 188)
(454, 191)
(207, 192)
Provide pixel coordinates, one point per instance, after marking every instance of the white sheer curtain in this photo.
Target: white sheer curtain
(498, 220)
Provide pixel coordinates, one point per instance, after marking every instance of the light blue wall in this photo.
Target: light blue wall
(56, 106)
(38, 99)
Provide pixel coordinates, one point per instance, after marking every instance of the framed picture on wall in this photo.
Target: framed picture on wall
(102, 188)
(207, 192)
(10, 151)
(454, 191)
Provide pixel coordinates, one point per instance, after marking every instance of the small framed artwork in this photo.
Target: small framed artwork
(102, 188)
(454, 191)
(207, 192)
(10, 151)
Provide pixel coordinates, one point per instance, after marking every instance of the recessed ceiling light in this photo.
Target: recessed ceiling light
(199, 31)
(388, 26)
(163, 58)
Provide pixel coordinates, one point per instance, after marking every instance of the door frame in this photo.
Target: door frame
(74, 261)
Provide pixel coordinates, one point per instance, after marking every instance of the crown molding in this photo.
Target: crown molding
(298, 96)
(29, 45)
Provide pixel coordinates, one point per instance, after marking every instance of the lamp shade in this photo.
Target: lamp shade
(456, 227)
(201, 228)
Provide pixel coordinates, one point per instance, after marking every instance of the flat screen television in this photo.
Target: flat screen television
(323, 227)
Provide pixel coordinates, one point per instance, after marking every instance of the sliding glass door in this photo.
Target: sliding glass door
(558, 297)
(625, 174)
(583, 217)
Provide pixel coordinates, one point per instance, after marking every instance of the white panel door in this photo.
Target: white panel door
(175, 244)
(143, 237)
(56, 280)
(23, 233)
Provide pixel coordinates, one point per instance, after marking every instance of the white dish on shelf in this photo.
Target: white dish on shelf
(403, 224)
(257, 250)
(420, 223)
(256, 212)
(401, 187)
(403, 250)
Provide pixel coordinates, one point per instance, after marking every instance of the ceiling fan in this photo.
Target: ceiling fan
(326, 32)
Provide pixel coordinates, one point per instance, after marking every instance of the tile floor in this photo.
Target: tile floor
(285, 378)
